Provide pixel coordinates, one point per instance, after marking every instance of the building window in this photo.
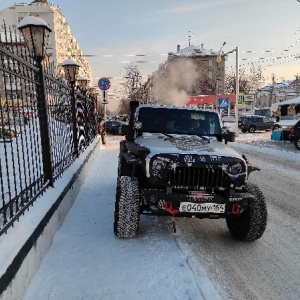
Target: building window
(22, 15)
(210, 62)
(209, 74)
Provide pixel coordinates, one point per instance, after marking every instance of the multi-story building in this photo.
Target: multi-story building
(62, 43)
(190, 71)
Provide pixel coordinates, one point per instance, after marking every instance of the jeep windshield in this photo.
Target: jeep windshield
(178, 121)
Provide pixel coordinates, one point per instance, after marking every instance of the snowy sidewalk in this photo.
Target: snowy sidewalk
(86, 261)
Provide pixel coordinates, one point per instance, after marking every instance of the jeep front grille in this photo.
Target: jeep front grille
(195, 178)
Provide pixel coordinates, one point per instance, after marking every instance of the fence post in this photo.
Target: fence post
(74, 118)
(44, 125)
(36, 35)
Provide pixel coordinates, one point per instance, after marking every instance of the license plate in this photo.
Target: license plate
(202, 207)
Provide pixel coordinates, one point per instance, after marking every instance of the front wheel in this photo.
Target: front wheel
(297, 142)
(251, 224)
(251, 129)
(127, 207)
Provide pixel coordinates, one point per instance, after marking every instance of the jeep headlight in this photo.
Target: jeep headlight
(235, 169)
(157, 164)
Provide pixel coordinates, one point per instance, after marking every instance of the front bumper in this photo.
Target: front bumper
(161, 202)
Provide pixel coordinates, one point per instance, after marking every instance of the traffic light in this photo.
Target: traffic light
(219, 56)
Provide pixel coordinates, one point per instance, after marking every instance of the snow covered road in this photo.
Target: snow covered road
(200, 261)
(269, 267)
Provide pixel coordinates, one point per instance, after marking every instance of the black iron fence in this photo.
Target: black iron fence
(45, 124)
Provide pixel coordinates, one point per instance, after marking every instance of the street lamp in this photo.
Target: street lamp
(36, 35)
(71, 69)
(83, 83)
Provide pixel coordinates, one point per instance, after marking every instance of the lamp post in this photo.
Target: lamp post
(219, 59)
(83, 83)
(71, 69)
(36, 35)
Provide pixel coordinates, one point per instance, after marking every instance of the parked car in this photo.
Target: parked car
(253, 123)
(113, 127)
(295, 135)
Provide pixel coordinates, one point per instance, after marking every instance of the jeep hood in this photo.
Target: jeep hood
(159, 143)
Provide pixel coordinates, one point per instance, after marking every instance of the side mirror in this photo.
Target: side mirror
(227, 135)
(138, 126)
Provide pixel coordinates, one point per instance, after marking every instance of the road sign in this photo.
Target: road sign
(223, 103)
(241, 99)
(104, 83)
(249, 98)
(104, 97)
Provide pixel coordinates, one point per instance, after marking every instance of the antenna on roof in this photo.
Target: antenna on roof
(190, 34)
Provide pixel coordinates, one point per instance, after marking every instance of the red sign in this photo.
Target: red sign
(208, 99)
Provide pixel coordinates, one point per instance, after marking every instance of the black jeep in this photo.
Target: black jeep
(170, 166)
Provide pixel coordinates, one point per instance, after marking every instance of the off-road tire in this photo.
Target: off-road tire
(127, 207)
(251, 224)
(251, 129)
(297, 142)
(124, 169)
(81, 143)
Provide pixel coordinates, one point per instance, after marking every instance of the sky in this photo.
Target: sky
(114, 33)
(86, 261)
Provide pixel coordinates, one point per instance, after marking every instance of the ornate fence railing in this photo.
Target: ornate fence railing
(38, 139)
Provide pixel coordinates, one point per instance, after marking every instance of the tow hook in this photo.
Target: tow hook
(235, 209)
(172, 211)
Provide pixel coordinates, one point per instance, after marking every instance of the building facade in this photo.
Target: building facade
(62, 43)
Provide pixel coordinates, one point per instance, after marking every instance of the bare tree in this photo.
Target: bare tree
(133, 80)
(249, 82)
(123, 107)
(206, 86)
(132, 86)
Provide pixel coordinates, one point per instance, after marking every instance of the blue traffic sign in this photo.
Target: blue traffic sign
(223, 102)
(104, 83)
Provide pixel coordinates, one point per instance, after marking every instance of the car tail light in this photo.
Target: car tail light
(293, 131)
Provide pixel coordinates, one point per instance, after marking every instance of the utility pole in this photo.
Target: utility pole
(237, 91)
(237, 84)
(219, 59)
